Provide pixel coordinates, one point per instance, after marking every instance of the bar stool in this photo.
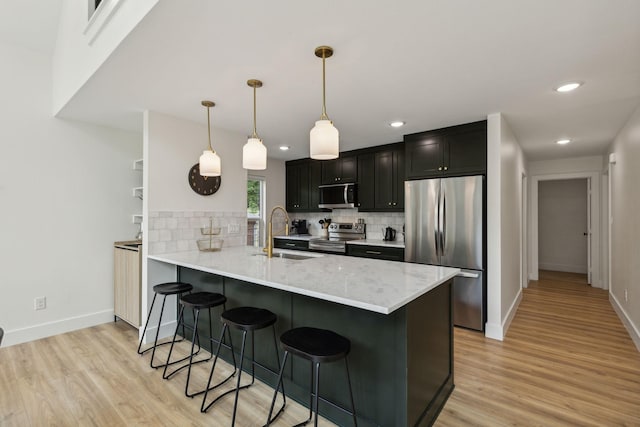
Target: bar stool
(196, 301)
(317, 346)
(246, 319)
(164, 289)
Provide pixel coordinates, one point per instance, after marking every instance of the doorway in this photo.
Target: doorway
(564, 226)
(593, 210)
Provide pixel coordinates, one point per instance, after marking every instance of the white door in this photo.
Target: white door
(588, 232)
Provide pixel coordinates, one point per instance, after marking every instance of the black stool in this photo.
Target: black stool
(246, 319)
(164, 289)
(196, 301)
(317, 346)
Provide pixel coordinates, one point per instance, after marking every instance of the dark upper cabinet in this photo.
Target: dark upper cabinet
(389, 180)
(366, 181)
(454, 151)
(297, 175)
(315, 180)
(342, 169)
(302, 181)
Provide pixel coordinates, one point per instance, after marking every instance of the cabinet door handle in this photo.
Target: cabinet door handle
(440, 168)
(374, 252)
(446, 168)
(290, 244)
(389, 203)
(394, 203)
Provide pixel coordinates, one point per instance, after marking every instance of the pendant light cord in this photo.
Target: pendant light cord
(323, 116)
(255, 134)
(209, 129)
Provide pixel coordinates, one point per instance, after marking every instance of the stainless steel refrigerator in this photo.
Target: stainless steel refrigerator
(444, 226)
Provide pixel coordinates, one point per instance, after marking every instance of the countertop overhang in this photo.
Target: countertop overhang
(373, 285)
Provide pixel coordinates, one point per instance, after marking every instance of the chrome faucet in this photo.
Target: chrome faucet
(269, 248)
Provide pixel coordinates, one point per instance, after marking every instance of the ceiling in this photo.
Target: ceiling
(429, 63)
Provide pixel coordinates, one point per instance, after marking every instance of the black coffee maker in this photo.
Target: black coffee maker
(299, 226)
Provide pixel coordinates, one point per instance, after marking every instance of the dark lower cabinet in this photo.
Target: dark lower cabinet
(376, 252)
(284, 243)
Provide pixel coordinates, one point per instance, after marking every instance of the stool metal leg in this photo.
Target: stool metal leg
(353, 406)
(180, 320)
(235, 405)
(275, 393)
(317, 387)
(144, 331)
(213, 367)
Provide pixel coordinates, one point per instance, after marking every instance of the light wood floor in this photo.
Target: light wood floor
(566, 360)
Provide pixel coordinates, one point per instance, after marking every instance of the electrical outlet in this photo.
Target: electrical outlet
(234, 228)
(40, 303)
(626, 296)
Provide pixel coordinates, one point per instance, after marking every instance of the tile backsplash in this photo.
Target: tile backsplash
(375, 221)
(178, 231)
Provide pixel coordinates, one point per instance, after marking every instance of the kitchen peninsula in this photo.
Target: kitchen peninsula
(397, 315)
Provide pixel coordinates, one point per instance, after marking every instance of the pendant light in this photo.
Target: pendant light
(209, 160)
(254, 153)
(324, 137)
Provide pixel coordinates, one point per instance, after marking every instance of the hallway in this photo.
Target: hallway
(566, 360)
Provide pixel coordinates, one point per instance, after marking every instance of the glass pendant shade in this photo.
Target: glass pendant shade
(209, 164)
(324, 141)
(254, 155)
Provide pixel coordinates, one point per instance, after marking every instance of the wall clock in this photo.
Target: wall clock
(203, 185)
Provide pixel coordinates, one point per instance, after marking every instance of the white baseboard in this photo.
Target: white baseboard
(493, 331)
(634, 333)
(166, 330)
(497, 332)
(43, 330)
(567, 268)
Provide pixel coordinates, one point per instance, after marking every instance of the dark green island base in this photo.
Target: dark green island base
(401, 364)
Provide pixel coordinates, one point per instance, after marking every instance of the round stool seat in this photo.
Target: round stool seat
(248, 318)
(318, 345)
(199, 300)
(172, 288)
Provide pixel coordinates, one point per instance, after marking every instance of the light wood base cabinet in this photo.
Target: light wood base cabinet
(127, 282)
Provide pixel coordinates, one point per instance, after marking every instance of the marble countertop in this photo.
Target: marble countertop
(374, 285)
(378, 242)
(306, 237)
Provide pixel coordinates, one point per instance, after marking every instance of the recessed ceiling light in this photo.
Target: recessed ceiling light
(284, 147)
(563, 141)
(396, 124)
(568, 87)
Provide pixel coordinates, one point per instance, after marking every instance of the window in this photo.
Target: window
(255, 210)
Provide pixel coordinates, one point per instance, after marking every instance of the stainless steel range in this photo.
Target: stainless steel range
(339, 234)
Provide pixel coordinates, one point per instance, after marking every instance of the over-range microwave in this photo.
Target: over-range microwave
(335, 196)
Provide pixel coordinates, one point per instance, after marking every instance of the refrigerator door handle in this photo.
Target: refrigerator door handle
(468, 275)
(443, 227)
(436, 228)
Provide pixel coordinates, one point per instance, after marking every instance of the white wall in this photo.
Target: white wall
(65, 197)
(625, 227)
(171, 147)
(175, 145)
(82, 48)
(505, 168)
(562, 222)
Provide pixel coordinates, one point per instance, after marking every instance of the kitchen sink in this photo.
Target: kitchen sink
(287, 255)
